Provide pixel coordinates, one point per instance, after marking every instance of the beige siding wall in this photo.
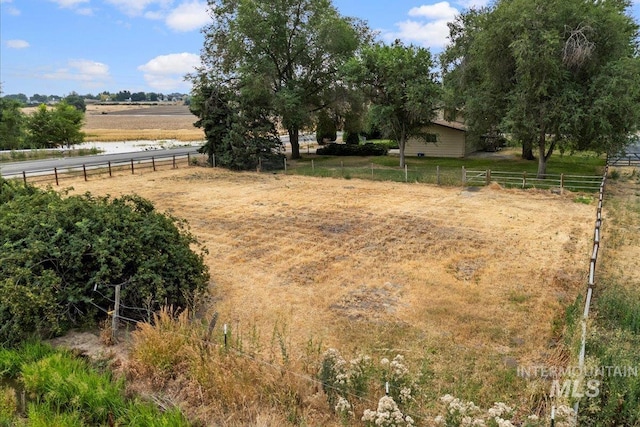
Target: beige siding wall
(451, 143)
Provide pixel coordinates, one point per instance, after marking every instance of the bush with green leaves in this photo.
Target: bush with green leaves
(367, 149)
(60, 257)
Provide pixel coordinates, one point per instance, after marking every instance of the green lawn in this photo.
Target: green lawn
(446, 171)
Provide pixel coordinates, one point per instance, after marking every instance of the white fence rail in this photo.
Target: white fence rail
(524, 180)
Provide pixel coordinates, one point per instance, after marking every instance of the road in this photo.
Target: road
(33, 167)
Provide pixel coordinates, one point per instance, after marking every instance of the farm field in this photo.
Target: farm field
(105, 123)
(127, 122)
(466, 285)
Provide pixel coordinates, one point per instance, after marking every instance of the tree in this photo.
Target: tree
(291, 50)
(52, 128)
(76, 101)
(12, 122)
(544, 71)
(61, 257)
(239, 134)
(325, 128)
(402, 88)
(138, 97)
(20, 97)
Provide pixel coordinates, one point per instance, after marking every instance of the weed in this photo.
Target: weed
(587, 200)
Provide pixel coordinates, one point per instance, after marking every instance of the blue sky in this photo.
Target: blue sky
(54, 47)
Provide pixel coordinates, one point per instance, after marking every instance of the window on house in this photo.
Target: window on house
(431, 137)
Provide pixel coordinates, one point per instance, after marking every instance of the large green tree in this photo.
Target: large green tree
(12, 122)
(55, 127)
(554, 74)
(239, 134)
(402, 89)
(291, 50)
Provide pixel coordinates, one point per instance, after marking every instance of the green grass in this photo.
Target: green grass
(36, 154)
(445, 171)
(64, 390)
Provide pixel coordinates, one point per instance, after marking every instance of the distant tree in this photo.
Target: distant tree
(402, 88)
(123, 96)
(138, 97)
(76, 101)
(290, 50)
(57, 127)
(152, 96)
(555, 74)
(12, 124)
(39, 99)
(20, 97)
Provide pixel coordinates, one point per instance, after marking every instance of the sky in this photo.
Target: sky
(56, 47)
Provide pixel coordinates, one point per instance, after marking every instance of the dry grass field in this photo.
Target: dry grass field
(105, 123)
(469, 283)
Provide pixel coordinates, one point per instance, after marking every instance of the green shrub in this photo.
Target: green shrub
(325, 129)
(367, 149)
(61, 257)
(351, 138)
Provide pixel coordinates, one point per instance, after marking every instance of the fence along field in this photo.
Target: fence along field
(466, 282)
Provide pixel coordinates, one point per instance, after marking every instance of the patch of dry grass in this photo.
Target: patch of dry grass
(464, 283)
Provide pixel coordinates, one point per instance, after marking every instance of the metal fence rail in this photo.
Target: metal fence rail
(629, 159)
(524, 180)
(101, 168)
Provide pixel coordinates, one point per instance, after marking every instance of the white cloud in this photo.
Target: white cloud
(70, 4)
(188, 16)
(16, 44)
(428, 34)
(428, 24)
(467, 4)
(89, 73)
(438, 11)
(74, 5)
(10, 9)
(138, 7)
(166, 72)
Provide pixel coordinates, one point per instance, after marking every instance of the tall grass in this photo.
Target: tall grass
(64, 390)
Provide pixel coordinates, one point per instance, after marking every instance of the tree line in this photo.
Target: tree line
(551, 75)
(105, 96)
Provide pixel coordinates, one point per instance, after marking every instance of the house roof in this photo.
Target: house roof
(453, 125)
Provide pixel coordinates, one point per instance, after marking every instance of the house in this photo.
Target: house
(444, 139)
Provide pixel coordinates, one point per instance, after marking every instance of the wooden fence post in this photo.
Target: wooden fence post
(84, 172)
(24, 177)
(55, 172)
(153, 163)
(285, 165)
(132, 172)
(524, 179)
(174, 161)
(561, 183)
(464, 176)
(406, 173)
(116, 313)
(488, 177)
(438, 174)
(110, 168)
(188, 159)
